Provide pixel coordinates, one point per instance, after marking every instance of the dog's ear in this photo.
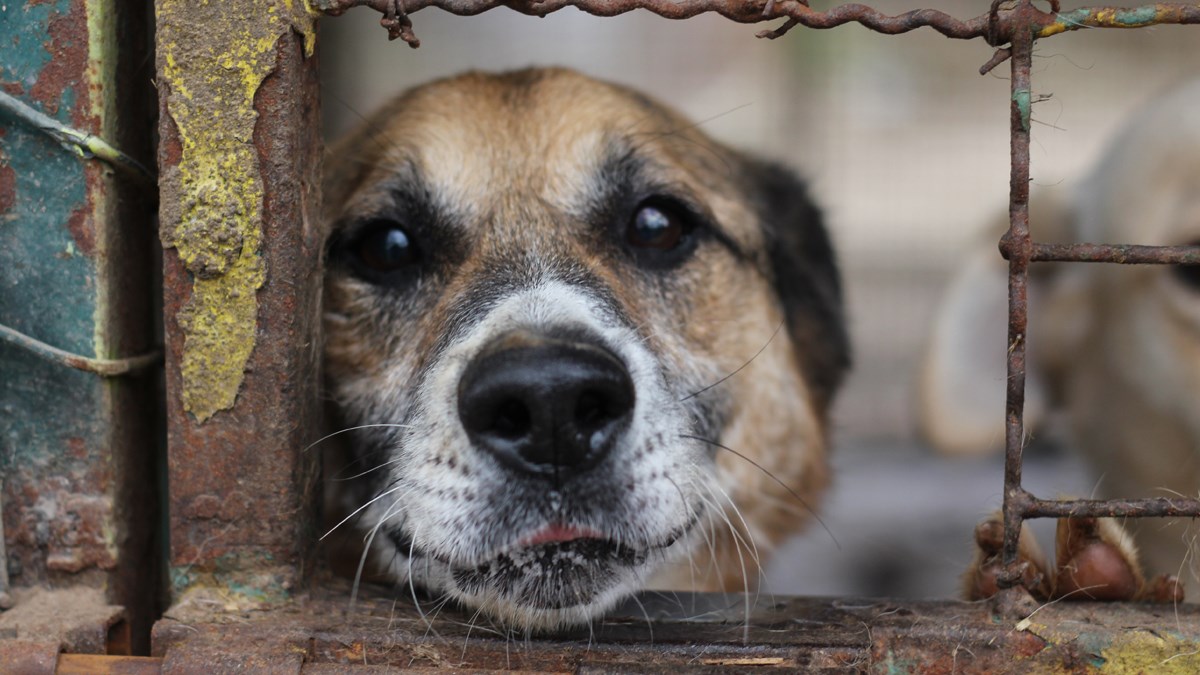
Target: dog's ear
(961, 383)
(804, 271)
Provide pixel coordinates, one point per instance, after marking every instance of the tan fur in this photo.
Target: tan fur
(513, 156)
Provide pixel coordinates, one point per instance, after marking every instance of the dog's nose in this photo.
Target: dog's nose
(545, 406)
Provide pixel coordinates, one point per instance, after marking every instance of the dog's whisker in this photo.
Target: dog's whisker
(362, 561)
(347, 430)
(357, 511)
(773, 477)
(741, 367)
(340, 478)
(738, 543)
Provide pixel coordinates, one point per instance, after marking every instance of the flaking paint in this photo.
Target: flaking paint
(1022, 100)
(1108, 17)
(214, 63)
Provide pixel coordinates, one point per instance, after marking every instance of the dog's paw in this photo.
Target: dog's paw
(1094, 560)
(980, 581)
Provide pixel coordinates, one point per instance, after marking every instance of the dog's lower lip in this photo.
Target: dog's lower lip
(558, 533)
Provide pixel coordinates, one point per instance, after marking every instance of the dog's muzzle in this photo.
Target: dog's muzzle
(544, 406)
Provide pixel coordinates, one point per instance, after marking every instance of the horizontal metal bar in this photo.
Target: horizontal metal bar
(105, 367)
(1155, 507)
(80, 142)
(1116, 253)
(997, 26)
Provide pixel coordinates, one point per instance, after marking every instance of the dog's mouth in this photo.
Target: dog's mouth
(557, 567)
(552, 573)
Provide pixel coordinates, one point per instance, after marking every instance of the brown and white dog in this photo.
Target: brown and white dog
(1116, 347)
(578, 341)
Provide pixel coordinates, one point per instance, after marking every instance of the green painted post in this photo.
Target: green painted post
(80, 453)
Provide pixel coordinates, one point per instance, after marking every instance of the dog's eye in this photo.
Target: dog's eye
(657, 226)
(384, 247)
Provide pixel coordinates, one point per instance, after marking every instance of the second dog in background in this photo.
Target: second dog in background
(1115, 347)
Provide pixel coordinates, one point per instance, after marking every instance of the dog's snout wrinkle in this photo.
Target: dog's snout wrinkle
(546, 407)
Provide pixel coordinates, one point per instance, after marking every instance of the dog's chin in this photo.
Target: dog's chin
(550, 586)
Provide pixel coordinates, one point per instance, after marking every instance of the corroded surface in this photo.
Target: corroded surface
(698, 633)
(239, 155)
(212, 62)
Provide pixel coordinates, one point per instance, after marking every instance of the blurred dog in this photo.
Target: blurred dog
(1116, 347)
(576, 341)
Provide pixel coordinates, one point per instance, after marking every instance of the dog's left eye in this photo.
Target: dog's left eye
(658, 226)
(383, 249)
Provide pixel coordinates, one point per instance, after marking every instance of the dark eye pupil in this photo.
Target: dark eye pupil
(387, 248)
(654, 228)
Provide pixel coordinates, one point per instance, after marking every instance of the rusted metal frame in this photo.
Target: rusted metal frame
(1155, 507)
(1018, 243)
(689, 633)
(80, 488)
(105, 367)
(997, 27)
(1116, 253)
(80, 142)
(6, 600)
(239, 156)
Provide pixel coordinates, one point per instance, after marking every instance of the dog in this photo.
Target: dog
(581, 348)
(1115, 348)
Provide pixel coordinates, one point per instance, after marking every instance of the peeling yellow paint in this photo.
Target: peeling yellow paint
(1143, 651)
(213, 62)
(1131, 649)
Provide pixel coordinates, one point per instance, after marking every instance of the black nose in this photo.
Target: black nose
(545, 406)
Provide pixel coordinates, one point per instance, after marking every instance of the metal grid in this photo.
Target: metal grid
(1010, 26)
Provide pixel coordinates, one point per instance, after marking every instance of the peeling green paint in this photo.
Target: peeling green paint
(44, 292)
(1107, 17)
(239, 581)
(213, 65)
(1021, 98)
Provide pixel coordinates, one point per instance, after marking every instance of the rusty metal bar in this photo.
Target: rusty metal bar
(239, 156)
(690, 633)
(105, 367)
(1019, 245)
(1116, 253)
(1157, 507)
(997, 27)
(82, 143)
(6, 600)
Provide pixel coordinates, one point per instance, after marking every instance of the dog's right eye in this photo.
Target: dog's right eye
(384, 248)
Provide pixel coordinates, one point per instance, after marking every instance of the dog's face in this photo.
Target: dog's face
(536, 285)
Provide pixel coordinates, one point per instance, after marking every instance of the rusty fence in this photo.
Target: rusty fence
(237, 161)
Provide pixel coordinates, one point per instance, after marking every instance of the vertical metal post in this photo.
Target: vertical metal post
(1018, 247)
(79, 452)
(239, 161)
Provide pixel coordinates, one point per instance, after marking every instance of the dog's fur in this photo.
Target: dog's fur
(518, 191)
(1116, 347)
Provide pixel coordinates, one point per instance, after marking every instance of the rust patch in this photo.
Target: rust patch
(63, 82)
(8, 184)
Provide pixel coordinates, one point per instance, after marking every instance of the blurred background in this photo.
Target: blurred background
(906, 147)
